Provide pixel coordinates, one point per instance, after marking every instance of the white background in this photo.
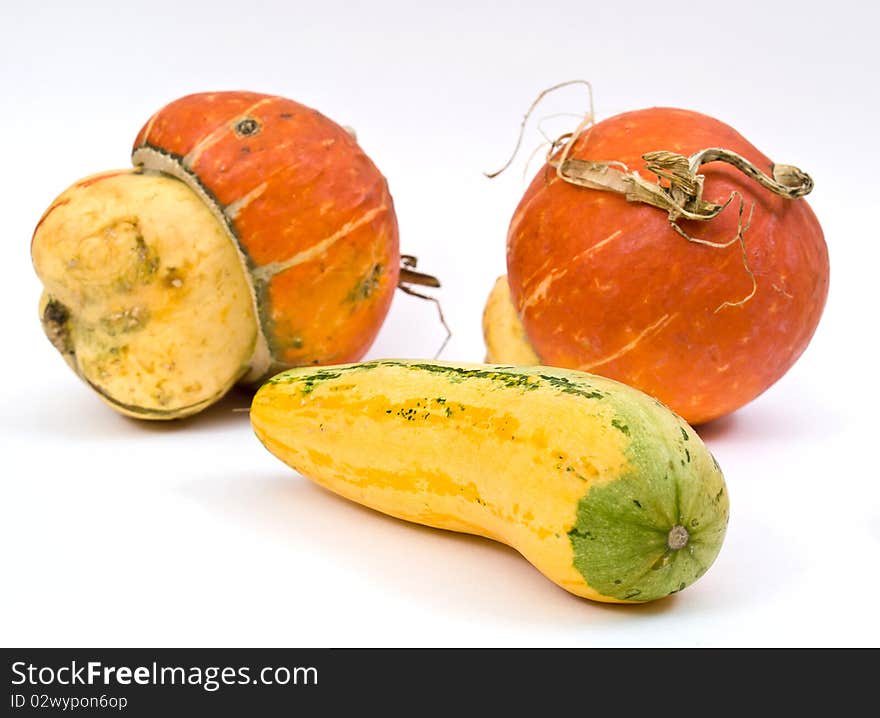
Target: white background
(114, 532)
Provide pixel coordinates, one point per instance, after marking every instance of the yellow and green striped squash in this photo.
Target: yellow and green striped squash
(605, 490)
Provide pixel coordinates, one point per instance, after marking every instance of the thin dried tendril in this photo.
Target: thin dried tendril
(525, 119)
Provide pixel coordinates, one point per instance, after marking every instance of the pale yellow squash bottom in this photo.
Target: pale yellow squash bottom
(160, 313)
(503, 331)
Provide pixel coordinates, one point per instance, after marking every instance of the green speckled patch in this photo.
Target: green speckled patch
(310, 380)
(523, 378)
(659, 527)
(310, 376)
(366, 286)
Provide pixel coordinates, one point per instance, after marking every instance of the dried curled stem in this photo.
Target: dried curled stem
(409, 276)
(678, 188)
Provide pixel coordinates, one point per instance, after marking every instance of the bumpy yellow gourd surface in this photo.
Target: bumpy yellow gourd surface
(145, 296)
(603, 489)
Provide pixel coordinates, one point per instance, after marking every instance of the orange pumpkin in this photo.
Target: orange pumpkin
(309, 211)
(253, 234)
(608, 286)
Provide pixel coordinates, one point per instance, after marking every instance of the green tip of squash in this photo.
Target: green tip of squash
(658, 528)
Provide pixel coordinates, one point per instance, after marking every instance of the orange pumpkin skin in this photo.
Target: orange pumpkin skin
(607, 286)
(311, 214)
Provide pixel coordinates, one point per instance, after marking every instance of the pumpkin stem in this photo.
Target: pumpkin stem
(409, 276)
(678, 189)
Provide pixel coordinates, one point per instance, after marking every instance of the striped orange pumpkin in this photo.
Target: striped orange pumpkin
(311, 216)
